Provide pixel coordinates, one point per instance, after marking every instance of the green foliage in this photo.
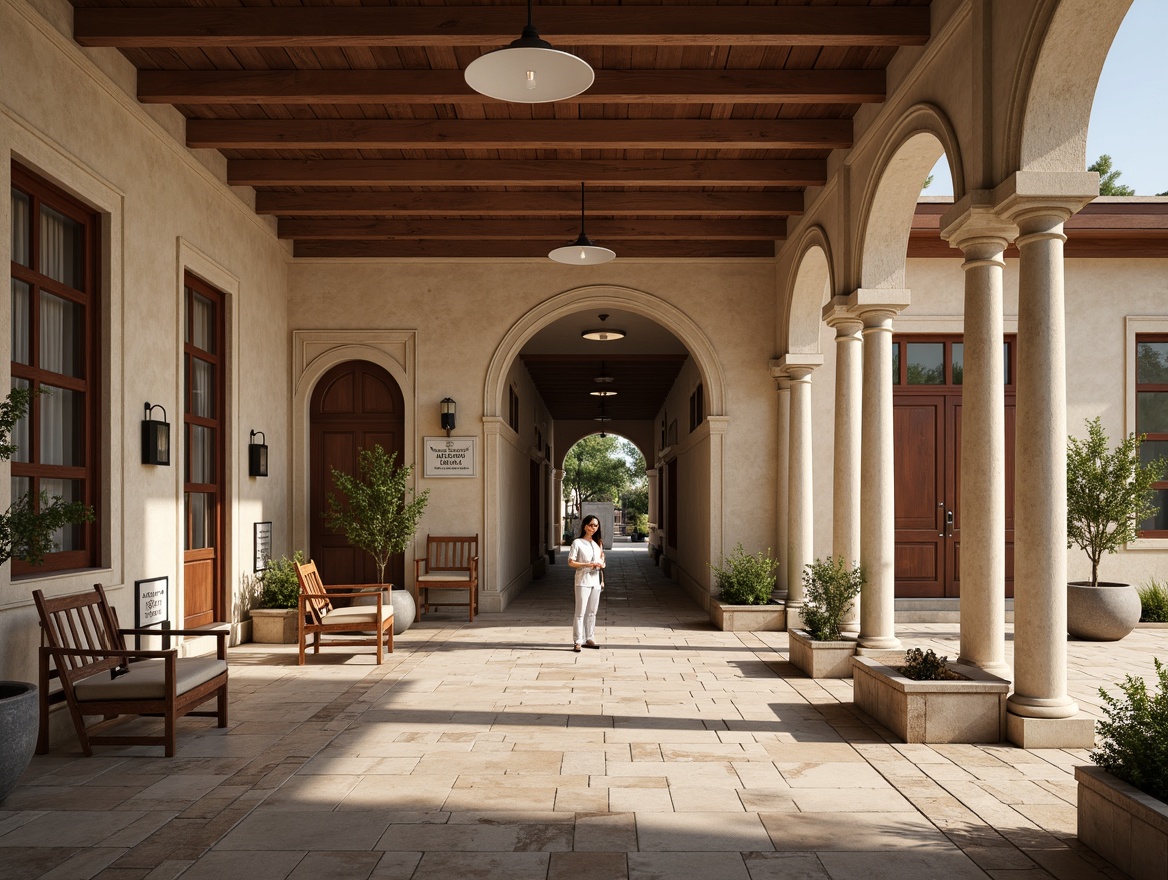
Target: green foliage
(636, 499)
(377, 516)
(641, 523)
(829, 590)
(1134, 736)
(744, 579)
(599, 469)
(1153, 601)
(1109, 177)
(926, 666)
(28, 526)
(280, 587)
(1108, 493)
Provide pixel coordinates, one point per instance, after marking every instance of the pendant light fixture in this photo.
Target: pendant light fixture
(529, 71)
(582, 252)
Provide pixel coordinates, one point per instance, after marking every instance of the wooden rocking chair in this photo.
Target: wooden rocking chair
(99, 676)
(318, 615)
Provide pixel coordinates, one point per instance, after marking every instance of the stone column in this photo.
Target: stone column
(982, 237)
(849, 375)
(877, 308)
(557, 506)
(783, 429)
(651, 476)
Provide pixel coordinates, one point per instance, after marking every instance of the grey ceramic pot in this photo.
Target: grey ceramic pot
(1103, 613)
(18, 731)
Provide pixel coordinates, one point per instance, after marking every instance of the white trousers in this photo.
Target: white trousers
(584, 625)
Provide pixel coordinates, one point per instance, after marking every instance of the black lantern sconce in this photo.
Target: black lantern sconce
(155, 437)
(257, 455)
(449, 407)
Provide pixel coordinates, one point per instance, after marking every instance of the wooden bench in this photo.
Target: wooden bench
(318, 615)
(99, 676)
(451, 563)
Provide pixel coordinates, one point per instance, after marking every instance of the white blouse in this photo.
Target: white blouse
(584, 550)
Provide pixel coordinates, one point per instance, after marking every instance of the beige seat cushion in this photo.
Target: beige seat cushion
(359, 614)
(146, 680)
(445, 576)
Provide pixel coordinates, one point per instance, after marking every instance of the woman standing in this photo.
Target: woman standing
(587, 557)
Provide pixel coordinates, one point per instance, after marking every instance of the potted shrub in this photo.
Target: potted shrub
(830, 588)
(745, 584)
(930, 699)
(1108, 495)
(1123, 814)
(379, 517)
(274, 621)
(640, 527)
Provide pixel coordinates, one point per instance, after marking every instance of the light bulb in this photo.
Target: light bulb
(583, 255)
(530, 83)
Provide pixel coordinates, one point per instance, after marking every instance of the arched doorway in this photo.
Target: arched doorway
(354, 406)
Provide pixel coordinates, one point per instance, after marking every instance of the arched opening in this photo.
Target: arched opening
(606, 475)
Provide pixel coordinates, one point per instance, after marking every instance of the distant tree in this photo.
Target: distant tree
(596, 469)
(928, 182)
(1108, 177)
(1165, 193)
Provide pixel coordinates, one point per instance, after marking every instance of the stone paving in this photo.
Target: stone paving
(490, 750)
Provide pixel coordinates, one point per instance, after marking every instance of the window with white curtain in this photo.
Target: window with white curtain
(54, 344)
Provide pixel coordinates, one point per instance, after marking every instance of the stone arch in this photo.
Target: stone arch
(889, 201)
(1051, 103)
(568, 435)
(812, 281)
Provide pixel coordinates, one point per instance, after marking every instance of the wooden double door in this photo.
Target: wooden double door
(928, 373)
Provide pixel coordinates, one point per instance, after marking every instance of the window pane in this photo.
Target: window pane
(20, 437)
(1150, 450)
(62, 325)
(19, 488)
(62, 422)
(1152, 412)
(202, 377)
(201, 455)
(61, 248)
(958, 350)
(1152, 363)
(68, 537)
(20, 231)
(926, 363)
(1159, 521)
(1006, 363)
(895, 363)
(200, 329)
(200, 531)
(20, 347)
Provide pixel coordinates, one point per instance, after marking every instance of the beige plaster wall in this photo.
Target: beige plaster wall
(66, 114)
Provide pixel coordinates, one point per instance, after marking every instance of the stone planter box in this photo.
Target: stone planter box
(968, 710)
(1122, 824)
(748, 618)
(274, 626)
(821, 659)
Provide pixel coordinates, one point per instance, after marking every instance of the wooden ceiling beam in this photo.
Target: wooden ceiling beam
(209, 87)
(545, 229)
(528, 249)
(495, 26)
(547, 203)
(514, 134)
(677, 173)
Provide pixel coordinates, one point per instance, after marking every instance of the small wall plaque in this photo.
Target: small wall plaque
(151, 601)
(450, 456)
(263, 545)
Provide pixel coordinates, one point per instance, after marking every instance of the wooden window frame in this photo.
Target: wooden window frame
(41, 192)
(1154, 387)
(900, 343)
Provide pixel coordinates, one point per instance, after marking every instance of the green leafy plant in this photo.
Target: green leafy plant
(28, 526)
(378, 516)
(1153, 601)
(279, 585)
(1134, 735)
(830, 587)
(641, 523)
(926, 666)
(1108, 493)
(744, 579)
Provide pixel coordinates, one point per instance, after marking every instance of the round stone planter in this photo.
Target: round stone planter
(404, 610)
(18, 731)
(1103, 613)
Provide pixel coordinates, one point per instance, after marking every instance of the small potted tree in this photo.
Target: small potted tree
(274, 621)
(1108, 496)
(820, 650)
(745, 584)
(379, 517)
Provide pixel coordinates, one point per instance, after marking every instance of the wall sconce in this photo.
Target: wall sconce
(155, 437)
(257, 455)
(448, 409)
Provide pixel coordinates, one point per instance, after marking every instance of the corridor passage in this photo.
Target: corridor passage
(491, 750)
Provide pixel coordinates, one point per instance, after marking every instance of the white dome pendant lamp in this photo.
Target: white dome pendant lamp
(529, 71)
(582, 252)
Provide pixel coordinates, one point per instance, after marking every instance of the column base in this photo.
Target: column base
(1077, 732)
(1001, 670)
(873, 644)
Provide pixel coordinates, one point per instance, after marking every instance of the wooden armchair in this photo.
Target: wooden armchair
(99, 676)
(451, 563)
(318, 615)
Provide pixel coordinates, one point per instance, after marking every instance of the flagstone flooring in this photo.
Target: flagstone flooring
(491, 750)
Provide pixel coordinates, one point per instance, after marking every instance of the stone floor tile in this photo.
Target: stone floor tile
(477, 838)
(999, 857)
(822, 832)
(588, 866)
(267, 829)
(859, 800)
(67, 828)
(86, 863)
(29, 862)
(831, 774)
(633, 800)
(482, 866)
(692, 799)
(605, 832)
(251, 865)
(396, 866)
(169, 870)
(951, 865)
(336, 866)
(686, 866)
(701, 832)
(582, 800)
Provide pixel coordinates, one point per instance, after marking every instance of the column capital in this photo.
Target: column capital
(874, 305)
(795, 366)
(840, 316)
(975, 227)
(1038, 195)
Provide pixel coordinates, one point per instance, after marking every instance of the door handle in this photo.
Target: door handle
(949, 523)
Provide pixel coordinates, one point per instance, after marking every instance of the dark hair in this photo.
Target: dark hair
(597, 536)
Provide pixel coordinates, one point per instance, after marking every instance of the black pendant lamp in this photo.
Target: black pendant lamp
(583, 251)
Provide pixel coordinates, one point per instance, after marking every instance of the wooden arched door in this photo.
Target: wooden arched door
(354, 406)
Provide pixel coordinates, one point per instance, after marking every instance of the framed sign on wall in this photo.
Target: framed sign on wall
(450, 457)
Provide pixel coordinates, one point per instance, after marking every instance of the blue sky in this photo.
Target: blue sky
(1129, 121)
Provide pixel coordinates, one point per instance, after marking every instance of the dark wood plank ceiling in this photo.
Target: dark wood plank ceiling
(355, 127)
(640, 383)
